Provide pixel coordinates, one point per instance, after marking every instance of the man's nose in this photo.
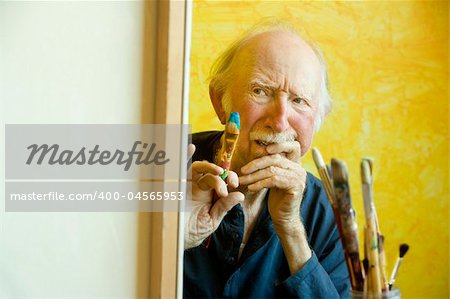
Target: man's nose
(278, 120)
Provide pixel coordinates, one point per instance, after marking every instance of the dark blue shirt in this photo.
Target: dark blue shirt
(263, 271)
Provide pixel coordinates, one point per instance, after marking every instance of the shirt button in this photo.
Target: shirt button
(231, 260)
(236, 236)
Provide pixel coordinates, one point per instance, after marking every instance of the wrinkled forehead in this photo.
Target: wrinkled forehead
(278, 54)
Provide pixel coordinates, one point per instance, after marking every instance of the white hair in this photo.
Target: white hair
(220, 74)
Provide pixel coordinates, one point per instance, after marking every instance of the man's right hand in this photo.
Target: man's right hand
(206, 216)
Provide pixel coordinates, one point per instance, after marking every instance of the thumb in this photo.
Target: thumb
(223, 205)
(191, 151)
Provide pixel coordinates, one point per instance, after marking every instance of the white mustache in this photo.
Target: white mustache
(270, 137)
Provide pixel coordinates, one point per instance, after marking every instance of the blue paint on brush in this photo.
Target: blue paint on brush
(234, 118)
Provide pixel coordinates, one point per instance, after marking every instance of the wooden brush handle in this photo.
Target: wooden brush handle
(350, 235)
(372, 250)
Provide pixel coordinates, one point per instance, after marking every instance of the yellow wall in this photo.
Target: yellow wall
(388, 69)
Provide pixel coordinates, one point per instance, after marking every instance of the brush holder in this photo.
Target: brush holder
(392, 294)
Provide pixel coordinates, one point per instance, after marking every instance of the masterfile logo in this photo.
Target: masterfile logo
(95, 151)
(54, 155)
(96, 167)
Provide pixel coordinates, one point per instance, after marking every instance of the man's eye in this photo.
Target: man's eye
(259, 91)
(298, 100)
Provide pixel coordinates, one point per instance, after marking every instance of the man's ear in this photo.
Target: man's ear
(216, 100)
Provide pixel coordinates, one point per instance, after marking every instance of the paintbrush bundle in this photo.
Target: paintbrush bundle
(367, 276)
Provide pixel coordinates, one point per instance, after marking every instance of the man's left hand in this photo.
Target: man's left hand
(281, 172)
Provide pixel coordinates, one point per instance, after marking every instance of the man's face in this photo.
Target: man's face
(275, 84)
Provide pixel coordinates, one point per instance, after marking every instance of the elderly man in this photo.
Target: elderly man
(272, 231)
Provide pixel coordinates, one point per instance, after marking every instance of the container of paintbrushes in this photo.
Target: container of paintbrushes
(392, 294)
(369, 281)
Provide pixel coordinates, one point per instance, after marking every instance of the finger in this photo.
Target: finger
(271, 182)
(224, 204)
(200, 168)
(264, 162)
(262, 174)
(209, 181)
(292, 149)
(287, 180)
(232, 179)
(191, 151)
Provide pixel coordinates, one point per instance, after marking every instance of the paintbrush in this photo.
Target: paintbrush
(229, 141)
(323, 173)
(380, 237)
(374, 210)
(225, 154)
(371, 230)
(348, 222)
(402, 251)
(365, 263)
(368, 281)
(382, 260)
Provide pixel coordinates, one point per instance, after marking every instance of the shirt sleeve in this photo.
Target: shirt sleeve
(313, 281)
(325, 275)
